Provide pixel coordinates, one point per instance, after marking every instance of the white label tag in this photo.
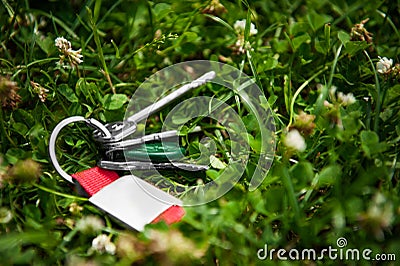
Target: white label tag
(133, 201)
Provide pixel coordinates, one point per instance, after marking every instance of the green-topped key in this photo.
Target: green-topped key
(155, 151)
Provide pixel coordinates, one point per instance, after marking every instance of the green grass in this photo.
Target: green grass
(344, 184)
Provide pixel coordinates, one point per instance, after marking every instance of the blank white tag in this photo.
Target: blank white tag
(133, 201)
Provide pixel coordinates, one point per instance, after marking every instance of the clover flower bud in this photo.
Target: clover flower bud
(240, 26)
(346, 99)
(8, 93)
(102, 243)
(360, 33)
(41, 91)
(24, 172)
(384, 65)
(295, 141)
(89, 224)
(74, 208)
(5, 215)
(304, 123)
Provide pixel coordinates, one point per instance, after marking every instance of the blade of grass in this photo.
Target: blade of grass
(78, 20)
(4, 132)
(220, 21)
(57, 20)
(59, 193)
(96, 10)
(8, 8)
(298, 91)
(100, 50)
(386, 17)
(287, 183)
(378, 95)
(324, 93)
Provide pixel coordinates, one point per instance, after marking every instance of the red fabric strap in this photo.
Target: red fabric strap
(172, 215)
(94, 179)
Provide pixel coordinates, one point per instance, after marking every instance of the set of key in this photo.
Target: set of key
(149, 151)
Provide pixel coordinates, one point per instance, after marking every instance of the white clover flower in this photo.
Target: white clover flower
(5, 215)
(62, 44)
(74, 208)
(240, 26)
(332, 90)
(40, 90)
(174, 244)
(384, 65)
(379, 215)
(346, 99)
(102, 243)
(65, 48)
(327, 104)
(339, 98)
(238, 47)
(89, 224)
(293, 140)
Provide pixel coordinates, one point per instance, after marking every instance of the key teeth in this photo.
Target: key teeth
(133, 165)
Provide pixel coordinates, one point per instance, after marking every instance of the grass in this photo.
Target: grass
(345, 183)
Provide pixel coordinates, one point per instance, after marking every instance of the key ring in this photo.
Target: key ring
(122, 197)
(52, 142)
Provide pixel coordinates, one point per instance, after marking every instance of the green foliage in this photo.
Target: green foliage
(345, 184)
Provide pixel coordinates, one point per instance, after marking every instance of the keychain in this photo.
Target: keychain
(130, 199)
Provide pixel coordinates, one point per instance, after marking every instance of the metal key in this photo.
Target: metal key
(137, 165)
(129, 143)
(138, 157)
(122, 129)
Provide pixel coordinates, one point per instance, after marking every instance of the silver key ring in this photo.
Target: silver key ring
(52, 142)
